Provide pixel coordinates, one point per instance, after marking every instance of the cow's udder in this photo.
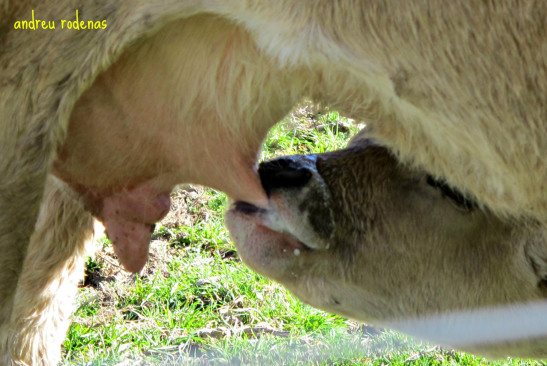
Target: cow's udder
(129, 218)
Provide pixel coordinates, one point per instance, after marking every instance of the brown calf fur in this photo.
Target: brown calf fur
(184, 90)
(355, 232)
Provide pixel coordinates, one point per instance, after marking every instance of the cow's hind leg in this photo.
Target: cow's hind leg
(48, 282)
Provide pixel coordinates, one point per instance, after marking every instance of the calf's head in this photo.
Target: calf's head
(356, 233)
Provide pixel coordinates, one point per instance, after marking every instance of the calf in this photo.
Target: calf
(355, 232)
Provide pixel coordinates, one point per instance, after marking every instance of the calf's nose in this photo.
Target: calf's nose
(284, 173)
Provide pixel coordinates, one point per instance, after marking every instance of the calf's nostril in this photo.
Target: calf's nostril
(283, 173)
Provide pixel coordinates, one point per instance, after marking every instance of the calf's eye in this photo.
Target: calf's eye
(457, 197)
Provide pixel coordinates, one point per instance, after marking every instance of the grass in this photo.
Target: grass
(196, 303)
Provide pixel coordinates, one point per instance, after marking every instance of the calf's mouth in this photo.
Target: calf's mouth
(298, 219)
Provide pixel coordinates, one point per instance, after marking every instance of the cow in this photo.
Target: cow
(106, 105)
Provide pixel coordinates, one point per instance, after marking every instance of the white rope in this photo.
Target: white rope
(489, 325)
